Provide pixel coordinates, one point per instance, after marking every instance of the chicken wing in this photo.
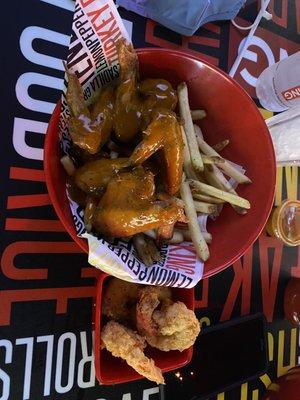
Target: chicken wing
(93, 176)
(156, 94)
(128, 106)
(163, 134)
(89, 130)
(128, 206)
(136, 102)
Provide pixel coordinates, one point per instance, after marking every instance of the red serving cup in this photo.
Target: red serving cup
(230, 114)
(111, 370)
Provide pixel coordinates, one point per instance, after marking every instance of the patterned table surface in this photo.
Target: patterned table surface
(46, 285)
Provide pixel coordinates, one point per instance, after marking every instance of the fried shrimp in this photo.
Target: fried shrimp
(128, 345)
(119, 301)
(150, 297)
(177, 328)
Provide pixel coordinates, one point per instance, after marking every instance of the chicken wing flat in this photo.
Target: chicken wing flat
(128, 206)
(94, 176)
(164, 135)
(128, 115)
(136, 102)
(156, 94)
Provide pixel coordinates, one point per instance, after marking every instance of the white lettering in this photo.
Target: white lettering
(252, 56)
(35, 32)
(126, 396)
(32, 78)
(21, 126)
(148, 392)
(288, 96)
(4, 377)
(86, 359)
(48, 368)
(295, 93)
(256, 41)
(59, 362)
(28, 365)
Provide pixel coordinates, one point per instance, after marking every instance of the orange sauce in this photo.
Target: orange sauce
(284, 222)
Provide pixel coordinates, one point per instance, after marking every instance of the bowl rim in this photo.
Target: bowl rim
(272, 177)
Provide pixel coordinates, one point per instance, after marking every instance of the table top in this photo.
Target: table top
(46, 284)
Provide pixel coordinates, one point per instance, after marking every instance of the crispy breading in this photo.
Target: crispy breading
(127, 344)
(178, 328)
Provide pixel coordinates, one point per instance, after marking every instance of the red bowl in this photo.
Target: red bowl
(230, 114)
(111, 370)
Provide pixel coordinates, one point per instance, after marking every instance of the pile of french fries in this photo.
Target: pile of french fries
(204, 187)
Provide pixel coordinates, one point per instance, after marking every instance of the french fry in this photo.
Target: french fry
(212, 160)
(226, 166)
(215, 177)
(190, 211)
(198, 114)
(187, 235)
(177, 237)
(207, 199)
(146, 249)
(221, 145)
(89, 212)
(187, 163)
(142, 249)
(220, 194)
(198, 131)
(185, 114)
(205, 208)
(68, 165)
(152, 249)
(212, 176)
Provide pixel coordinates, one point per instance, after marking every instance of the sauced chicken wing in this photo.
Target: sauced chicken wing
(128, 206)
(156, 94)
(75, 97)
(128, 114)
(136, 102)
(128, 61)
(89, 130)
(163, 134)
(93, 177)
